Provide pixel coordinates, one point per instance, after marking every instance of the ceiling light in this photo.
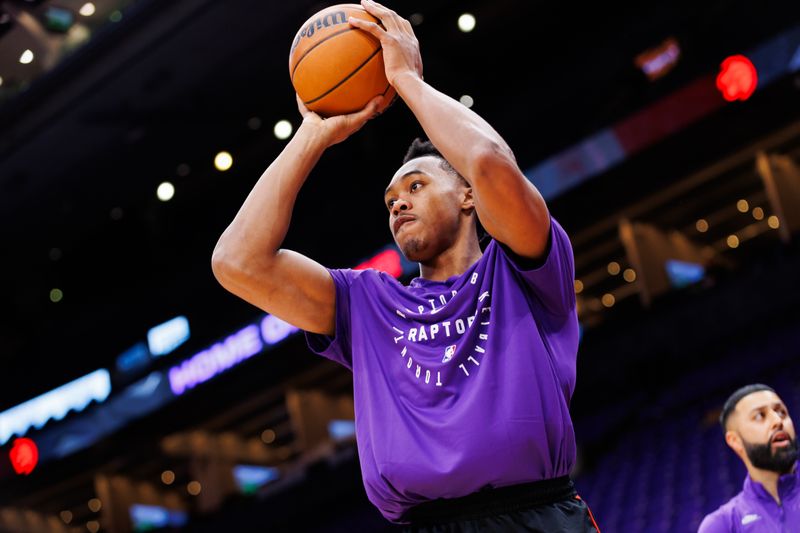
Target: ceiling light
(167, 477)
(223, 161)
(26, 57)
(282, 129)
(608, 299)
(466, 22)
(629, 275)
(165, 191)
(87, 9)
(773, 222)
(268, 436)
(701, 225)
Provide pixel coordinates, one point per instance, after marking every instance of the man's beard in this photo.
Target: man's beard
(762, 457)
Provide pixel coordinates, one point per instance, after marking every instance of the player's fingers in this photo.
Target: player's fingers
(355, 121)
(370, 110)
(370, 27)
(363, 114)
(380, 8)
(407, 26)
(389, 19)
(304, 111)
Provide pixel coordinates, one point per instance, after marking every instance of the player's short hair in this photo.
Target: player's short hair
(736, 397)
(421, 148)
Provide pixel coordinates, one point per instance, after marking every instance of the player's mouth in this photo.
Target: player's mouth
(400, 221)
(781, 439)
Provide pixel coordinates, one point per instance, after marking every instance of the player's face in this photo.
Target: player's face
(424, 202)
(768, 436)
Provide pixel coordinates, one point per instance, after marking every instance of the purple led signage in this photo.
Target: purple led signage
(230, 352)
(220, 357)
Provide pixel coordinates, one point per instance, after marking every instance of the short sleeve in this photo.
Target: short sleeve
(337, 348)
(553, 280)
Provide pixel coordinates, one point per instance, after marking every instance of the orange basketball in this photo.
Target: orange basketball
(336, 68)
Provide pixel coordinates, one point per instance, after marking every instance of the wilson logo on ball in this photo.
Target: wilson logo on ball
(326, 21)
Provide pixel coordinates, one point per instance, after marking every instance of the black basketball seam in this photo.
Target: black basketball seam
(331, 36)
(345, 78)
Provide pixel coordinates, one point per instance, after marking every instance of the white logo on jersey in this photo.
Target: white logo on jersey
(428, 333)
(449, 352)
(750, 518)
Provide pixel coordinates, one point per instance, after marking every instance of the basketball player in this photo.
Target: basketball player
(760, 431)
(462, 379)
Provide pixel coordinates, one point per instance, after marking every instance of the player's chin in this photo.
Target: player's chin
(412, 248)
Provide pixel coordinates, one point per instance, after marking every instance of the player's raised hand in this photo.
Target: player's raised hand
(400, 46)
(337, 128)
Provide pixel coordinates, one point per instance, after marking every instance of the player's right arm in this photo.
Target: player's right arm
(248, 260)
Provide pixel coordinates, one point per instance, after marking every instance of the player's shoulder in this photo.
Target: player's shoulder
(727, 518)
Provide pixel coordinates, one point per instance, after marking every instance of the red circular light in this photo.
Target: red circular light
(24, 456)
(737, 78)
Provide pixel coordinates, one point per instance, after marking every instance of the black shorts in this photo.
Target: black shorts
(549, 506)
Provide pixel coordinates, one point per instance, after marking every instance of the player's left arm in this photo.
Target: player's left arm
(509, 206)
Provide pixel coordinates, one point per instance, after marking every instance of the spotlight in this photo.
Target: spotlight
(167, 477)
(26, 57)
(282, 129)
(223, 161)
(87, 9)
(165, 191)
(194, 488)
(466, 22)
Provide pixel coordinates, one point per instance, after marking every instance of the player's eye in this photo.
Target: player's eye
(390, 203)
(415, 186)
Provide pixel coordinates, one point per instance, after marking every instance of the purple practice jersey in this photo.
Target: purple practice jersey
(755, 510)
(459, 384)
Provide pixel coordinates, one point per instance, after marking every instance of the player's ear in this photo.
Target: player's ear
(467, 200)
(734, 441)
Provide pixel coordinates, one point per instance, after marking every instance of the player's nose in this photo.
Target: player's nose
(399, 206)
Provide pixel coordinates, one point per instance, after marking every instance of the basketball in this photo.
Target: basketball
(335, 68)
